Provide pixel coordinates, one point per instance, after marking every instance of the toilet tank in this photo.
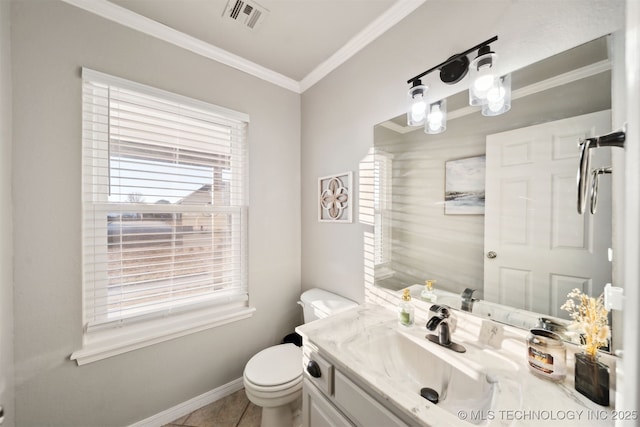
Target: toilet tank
(318, 304)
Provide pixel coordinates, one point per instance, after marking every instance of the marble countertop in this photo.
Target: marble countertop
(520, 399)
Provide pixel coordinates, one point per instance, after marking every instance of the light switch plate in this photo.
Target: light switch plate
(613, 297)
(491, 333)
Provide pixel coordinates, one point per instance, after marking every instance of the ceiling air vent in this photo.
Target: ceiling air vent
(249, 14)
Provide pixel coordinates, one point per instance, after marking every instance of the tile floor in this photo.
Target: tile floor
(234, 410)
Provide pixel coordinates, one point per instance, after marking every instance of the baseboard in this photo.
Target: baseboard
(190, 405)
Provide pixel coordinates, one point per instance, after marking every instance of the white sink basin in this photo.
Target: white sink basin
(408, 361)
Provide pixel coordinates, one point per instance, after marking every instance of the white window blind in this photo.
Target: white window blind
(164, 203)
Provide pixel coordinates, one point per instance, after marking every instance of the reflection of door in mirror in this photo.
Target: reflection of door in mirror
(544, 247)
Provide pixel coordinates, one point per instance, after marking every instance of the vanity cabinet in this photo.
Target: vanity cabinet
(333, 400)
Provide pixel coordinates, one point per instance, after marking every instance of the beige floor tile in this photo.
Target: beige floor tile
(234, 410)
(252, 416)
(226, 412)
(233, 407)
(180, 421)
(205, 416)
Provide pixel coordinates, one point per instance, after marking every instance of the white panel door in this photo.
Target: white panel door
(543, 248)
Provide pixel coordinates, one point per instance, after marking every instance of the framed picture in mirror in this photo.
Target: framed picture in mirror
(465, 186)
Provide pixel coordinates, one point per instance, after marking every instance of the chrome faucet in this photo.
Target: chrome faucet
(440, 321)
(468, 300)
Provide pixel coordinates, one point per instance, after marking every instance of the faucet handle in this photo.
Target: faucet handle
(433, 323)
(441, 310)
(467, 294)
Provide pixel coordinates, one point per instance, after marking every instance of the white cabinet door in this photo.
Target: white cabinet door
(543, 248)
(318, 411)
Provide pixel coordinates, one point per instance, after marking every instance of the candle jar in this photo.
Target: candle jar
(546, 354)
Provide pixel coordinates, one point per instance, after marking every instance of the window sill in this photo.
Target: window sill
(102, 344)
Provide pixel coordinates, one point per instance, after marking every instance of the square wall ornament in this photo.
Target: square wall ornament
(335, 198)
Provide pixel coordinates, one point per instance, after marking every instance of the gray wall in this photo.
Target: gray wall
(339, 112)
(50, 42)
(6, 226)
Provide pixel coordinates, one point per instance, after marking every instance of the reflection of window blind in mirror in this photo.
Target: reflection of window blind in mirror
(382, 206)
(374, 211)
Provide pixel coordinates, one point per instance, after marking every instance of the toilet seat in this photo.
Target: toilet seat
(295, 384)
(275, 368)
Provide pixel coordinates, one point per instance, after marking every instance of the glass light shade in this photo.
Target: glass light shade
(436, 117)
(483, 76)
(417, 104)
(498, 97)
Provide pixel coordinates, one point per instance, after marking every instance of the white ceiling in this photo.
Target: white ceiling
(295, 44)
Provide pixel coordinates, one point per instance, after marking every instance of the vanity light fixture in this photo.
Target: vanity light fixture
(498, 99)
(488, 89)
(483, 76)
(417, 104)
(437, 117)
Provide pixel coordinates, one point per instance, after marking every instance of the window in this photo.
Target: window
(164, 208)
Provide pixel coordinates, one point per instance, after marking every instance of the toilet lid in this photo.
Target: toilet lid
(275, 365)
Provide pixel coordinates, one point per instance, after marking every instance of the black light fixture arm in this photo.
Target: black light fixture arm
(453, 58)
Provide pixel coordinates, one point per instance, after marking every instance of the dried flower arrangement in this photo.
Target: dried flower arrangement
(590, 318)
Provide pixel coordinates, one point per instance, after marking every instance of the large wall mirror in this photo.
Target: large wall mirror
(527, 247)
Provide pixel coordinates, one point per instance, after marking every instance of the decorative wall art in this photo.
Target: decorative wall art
(464, 186)
(335, 198)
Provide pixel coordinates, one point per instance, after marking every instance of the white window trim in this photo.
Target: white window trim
(97, 76)
(110, 340)
(106, 343)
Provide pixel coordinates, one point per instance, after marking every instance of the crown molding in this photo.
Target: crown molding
(391, 125)
(393, 15)
(126, 17)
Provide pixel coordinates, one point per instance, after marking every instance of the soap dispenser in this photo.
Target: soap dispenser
(405, 309)
(427, 293)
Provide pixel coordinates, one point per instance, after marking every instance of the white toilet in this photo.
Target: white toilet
(273, 377)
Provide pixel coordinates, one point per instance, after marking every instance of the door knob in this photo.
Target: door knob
(491, 254)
